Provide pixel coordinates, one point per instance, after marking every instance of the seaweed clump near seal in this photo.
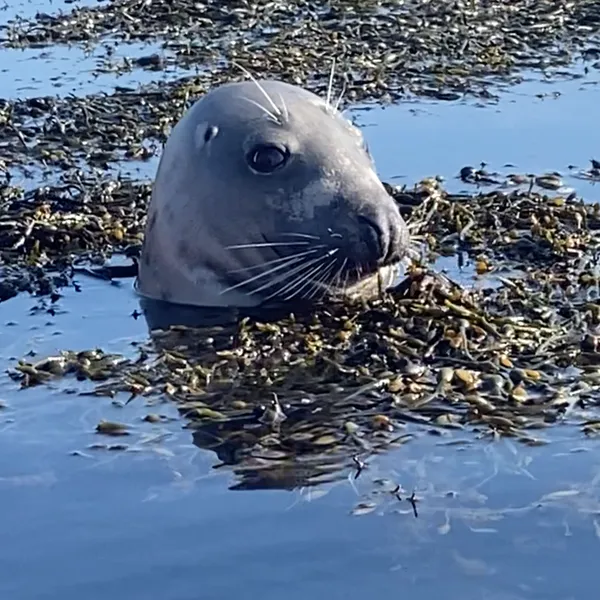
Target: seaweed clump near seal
(293, 402)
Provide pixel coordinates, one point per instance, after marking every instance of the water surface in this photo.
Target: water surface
(156, 520)
(536, 127)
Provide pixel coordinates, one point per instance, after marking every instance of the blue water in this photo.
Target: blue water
(28, 9)
(63, 70)
(155, 520)
(532, 134)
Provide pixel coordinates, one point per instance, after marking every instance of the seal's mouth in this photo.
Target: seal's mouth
(332, 263)
(303, 266)
(376, 243)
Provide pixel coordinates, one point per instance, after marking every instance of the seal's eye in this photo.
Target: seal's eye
(267, 158)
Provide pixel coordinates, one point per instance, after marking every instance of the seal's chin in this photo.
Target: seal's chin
(370, 285)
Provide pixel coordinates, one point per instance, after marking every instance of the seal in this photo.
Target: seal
(265, 193)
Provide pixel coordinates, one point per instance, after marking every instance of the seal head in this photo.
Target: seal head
(265, 192)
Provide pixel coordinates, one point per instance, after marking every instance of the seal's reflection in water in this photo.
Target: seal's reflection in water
(249, 442)
(162, 314)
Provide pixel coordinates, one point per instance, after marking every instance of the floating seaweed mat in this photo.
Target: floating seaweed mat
(384, 51)
(294, 400)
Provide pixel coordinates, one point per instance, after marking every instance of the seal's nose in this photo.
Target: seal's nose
(371, 234)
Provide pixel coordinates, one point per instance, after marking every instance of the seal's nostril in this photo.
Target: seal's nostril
(372, 234)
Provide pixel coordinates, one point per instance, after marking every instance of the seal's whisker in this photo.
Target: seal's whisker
(302, 235)
(336, 280)
(286, 115)
(414, 225)
(265, 245)
(318, 284)
(321, 282)
(265, 110)
(300, 277)
(261, 275)
(342, 270)
(323, 286)
(261, 88)
(309, 278)
(314, 281)
(315, 278)
(277, 260)
(296, 270)
(345, 284)
(340, 97)
(336, 276)
(302, 281)
(324, 291)
(330, 86)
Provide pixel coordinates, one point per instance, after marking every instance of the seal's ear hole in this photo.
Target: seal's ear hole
(266, 158)
(210, 133)
(205, 133)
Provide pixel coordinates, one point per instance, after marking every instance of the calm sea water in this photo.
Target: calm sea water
(497, 521)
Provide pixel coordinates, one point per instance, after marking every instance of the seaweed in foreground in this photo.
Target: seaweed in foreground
(289, 404)
(298, 401)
